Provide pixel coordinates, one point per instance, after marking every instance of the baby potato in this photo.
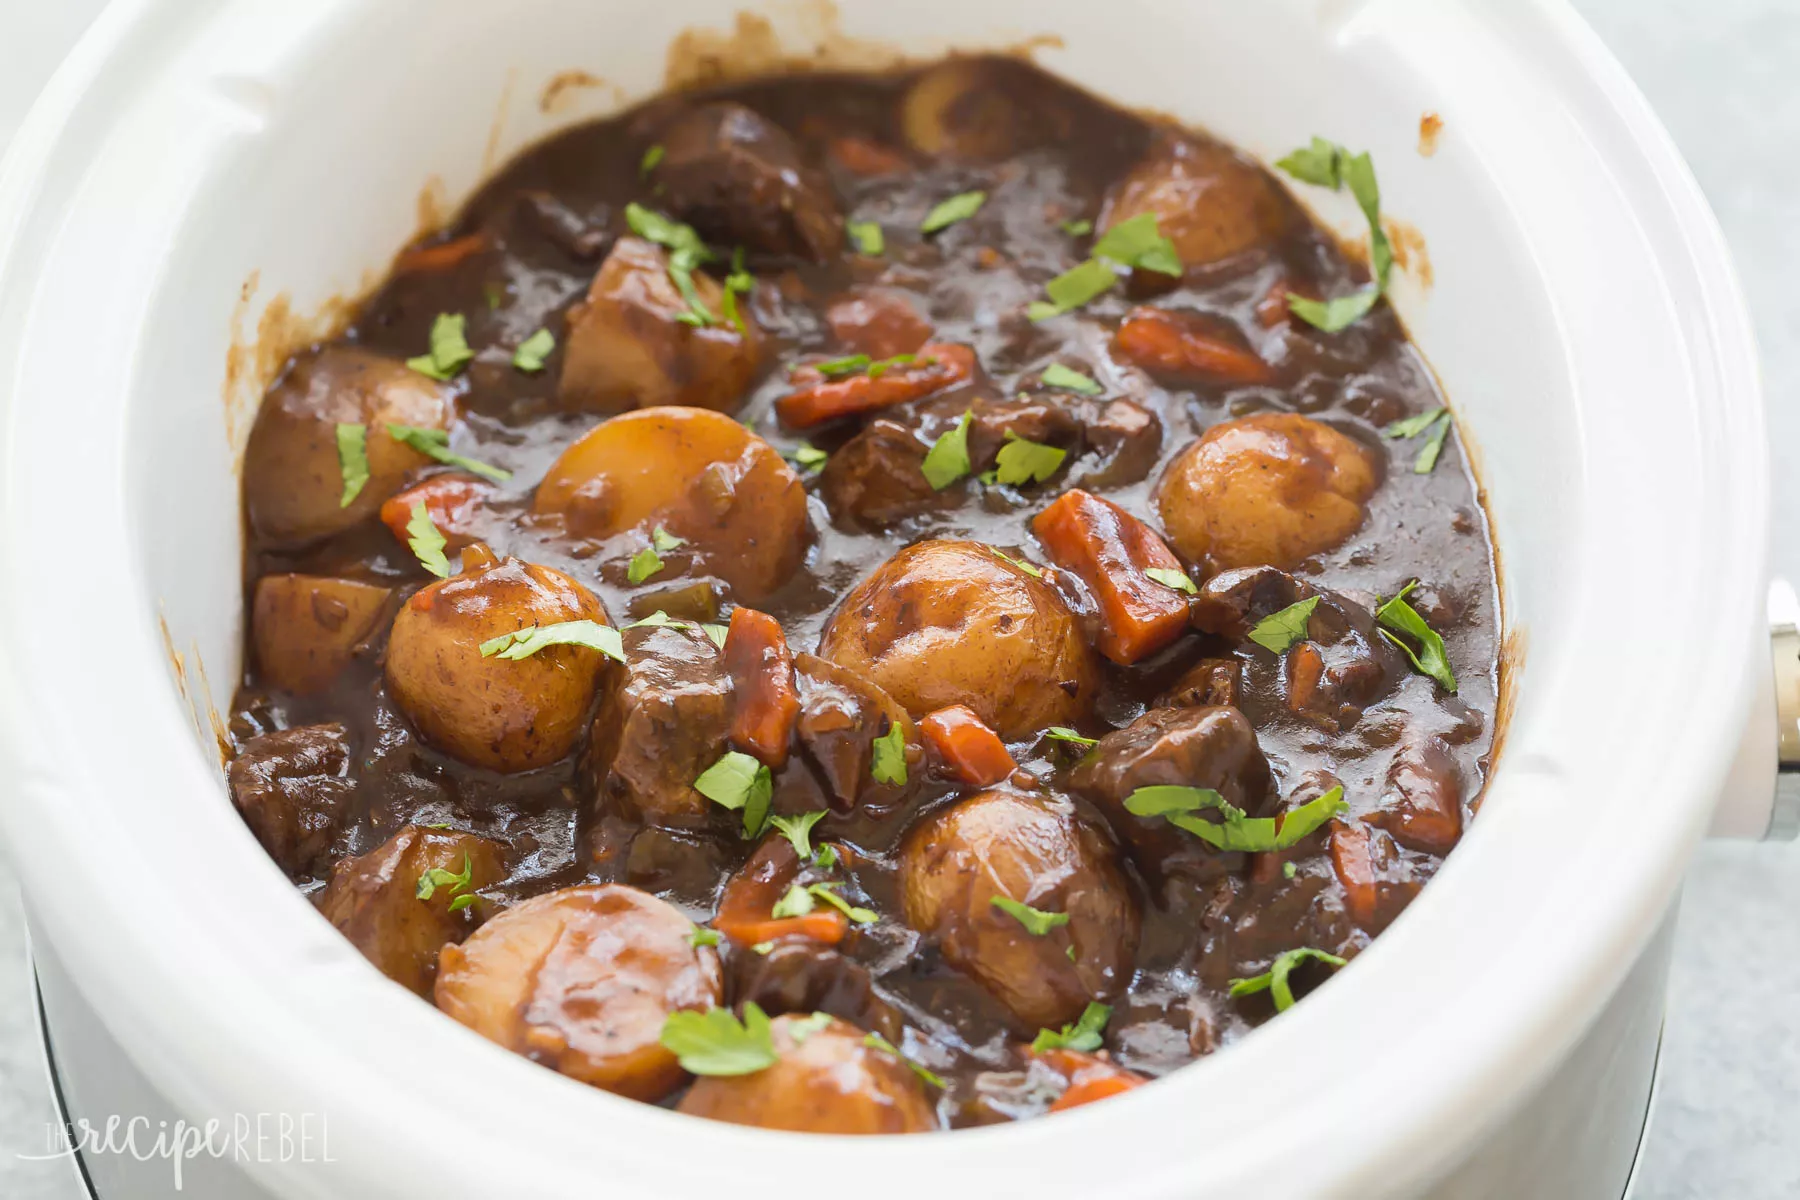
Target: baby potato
(626, 346)
(502, 714)
(948, 622)
(1000, 844)
(581, 980)
(973, 109)
(826, 1079)
(698, 474)
(1208, 201)
(293, 483)
(1272, 489)
(373, 899)
(304, 628)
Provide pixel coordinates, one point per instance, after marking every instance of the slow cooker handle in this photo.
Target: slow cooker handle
(1761, 796)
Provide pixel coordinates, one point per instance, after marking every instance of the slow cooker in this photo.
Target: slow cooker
(207, 183)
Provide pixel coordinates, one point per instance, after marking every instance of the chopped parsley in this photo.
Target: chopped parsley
(852, 364)
(1280, 630)
(808, 455)
(1238, 831)
(1036, 921)
(643, 565)
(353, 460)
(1289, 870)
(1431, 658)
(948, 459)
(867, 237)
(1436, 424)
(1329, 165)
(523, 643)
(1022, 461)
(801, 1028)
(702, 936)
(686, 252)
(798, 831)
(665, 541)
(449, 352)
(1275, 979)
(435, 444)
(716, 1043)
(1078, 227)
(875, 1041)
(1062, 733)
(959, 207)
(1169, 577)
(652, 157)
(826, 892)
(1072, 289)
(888, 764)
(458, 884)
(1058, 376)
(737, 781)
(427, 543)
(1083, 1035)
(737, 283)
(1024, 566)
(716, 633)
(530, 355)
(795, 902)
(1139, 244)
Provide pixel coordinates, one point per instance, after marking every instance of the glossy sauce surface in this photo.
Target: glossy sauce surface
(548, 221)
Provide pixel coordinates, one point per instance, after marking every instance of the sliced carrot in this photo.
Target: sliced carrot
(451, 501)
(440, 256)
(765, 702)
(936, 366)
(746, 908)
(1111, 551)
(1186, 345)
(973, 752)
(1090, 1077)
(1354, 862)
(861, 156)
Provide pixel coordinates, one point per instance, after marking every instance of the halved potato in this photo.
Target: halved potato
(373, 899)
(582, 980)
(700, 475)
(827, 1079)
(304, 628)
(293, 483)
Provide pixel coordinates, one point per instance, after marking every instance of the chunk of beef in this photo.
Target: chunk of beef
(738, 180)
(841, 715)
(876, 479)
(1213, 747)
(665, 721)
(800, 975)
(1421, 806)
(293, 788)
(1342, 666)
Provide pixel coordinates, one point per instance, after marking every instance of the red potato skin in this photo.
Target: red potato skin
(1186, 346)
(765, 701)
(973, 752)
(816, 399)
(1110, 550)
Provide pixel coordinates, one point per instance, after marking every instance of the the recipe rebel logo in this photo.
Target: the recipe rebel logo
(243, 1138)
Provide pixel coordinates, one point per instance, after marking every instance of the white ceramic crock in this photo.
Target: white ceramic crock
(199, 169)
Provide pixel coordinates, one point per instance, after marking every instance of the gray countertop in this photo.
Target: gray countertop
(1727, 1126)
